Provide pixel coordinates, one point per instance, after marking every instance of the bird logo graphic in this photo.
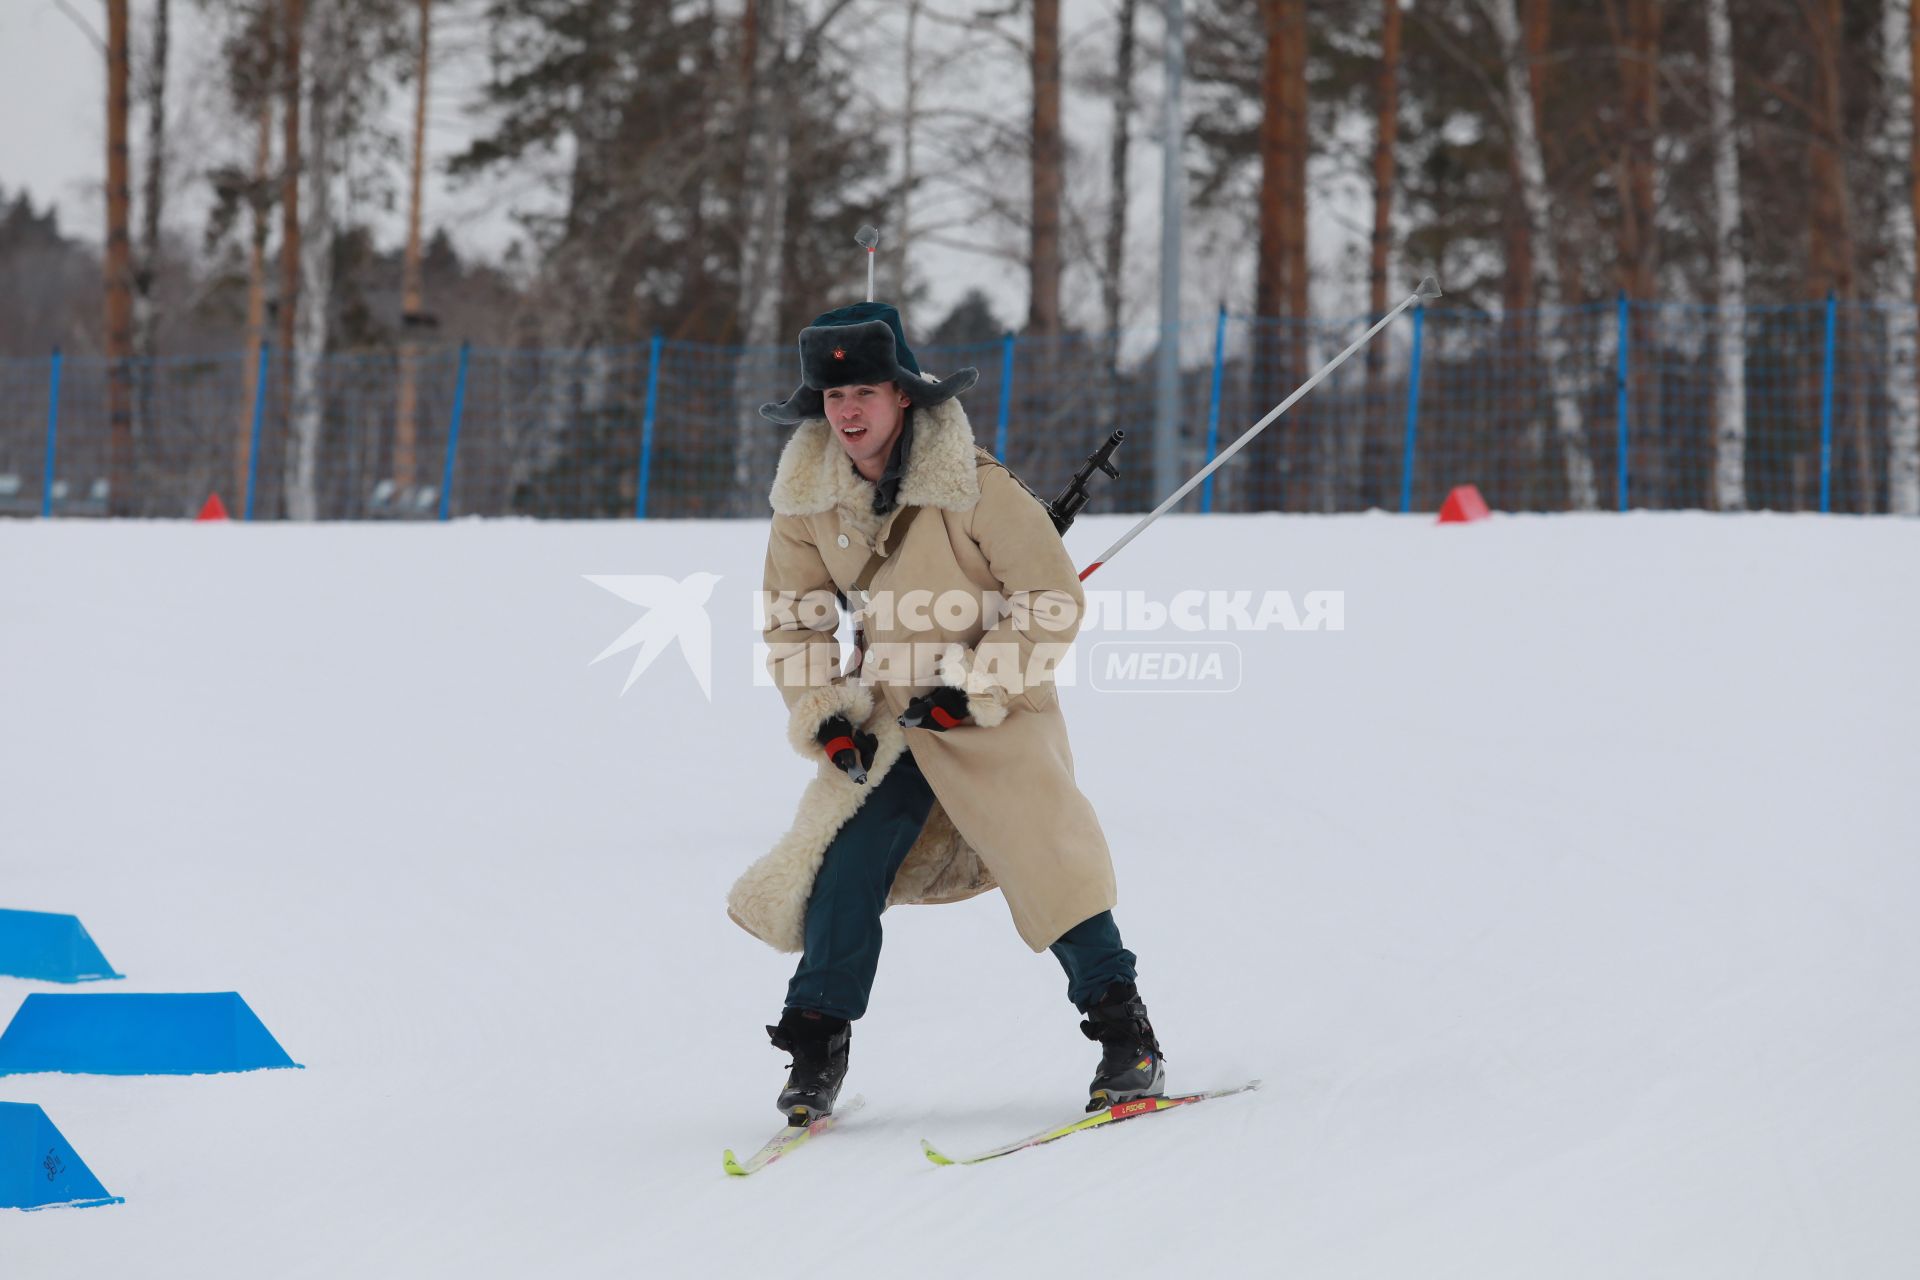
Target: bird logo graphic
(675, 611)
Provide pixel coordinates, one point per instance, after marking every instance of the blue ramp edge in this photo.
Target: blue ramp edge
(138, 1035)
(39, 1168)
(49, 947)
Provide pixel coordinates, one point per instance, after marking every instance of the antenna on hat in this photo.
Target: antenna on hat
(868, 238)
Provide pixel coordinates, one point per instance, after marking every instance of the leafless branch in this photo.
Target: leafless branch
(86, 28)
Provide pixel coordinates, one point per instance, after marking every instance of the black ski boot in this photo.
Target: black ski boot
(1130, 1062)
(818, 1044)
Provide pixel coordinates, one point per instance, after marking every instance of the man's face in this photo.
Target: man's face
(866, 420)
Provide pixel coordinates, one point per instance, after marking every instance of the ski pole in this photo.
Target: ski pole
(1428, 288)
(868, 238)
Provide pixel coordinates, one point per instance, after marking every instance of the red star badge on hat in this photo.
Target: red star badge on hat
(839, 353)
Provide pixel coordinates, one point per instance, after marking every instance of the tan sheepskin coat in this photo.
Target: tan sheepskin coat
(1008, 811)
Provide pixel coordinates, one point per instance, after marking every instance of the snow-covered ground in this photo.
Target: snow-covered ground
(1565, 900)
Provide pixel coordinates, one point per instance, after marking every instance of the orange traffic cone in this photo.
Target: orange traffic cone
(1462, 505)
(214, 509)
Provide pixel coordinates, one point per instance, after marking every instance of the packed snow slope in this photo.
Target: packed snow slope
(1565, 899)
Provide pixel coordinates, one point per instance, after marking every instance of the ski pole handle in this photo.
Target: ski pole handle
(849, 749)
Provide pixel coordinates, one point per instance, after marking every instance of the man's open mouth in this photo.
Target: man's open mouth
(853, 433)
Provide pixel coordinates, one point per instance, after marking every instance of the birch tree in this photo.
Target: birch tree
(1524, 136)
(781, 46)
(1730, 274)
(896, 246)
(315, 262)
(412, 306)
(353, 44)
(1903, 353)
(766, 151)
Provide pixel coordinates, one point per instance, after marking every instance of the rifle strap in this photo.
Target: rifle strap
(895, 536)
(857, 593)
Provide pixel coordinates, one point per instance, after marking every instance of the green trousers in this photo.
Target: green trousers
(842, 954)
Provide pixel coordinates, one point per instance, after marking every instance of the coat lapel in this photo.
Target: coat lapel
(814, 476)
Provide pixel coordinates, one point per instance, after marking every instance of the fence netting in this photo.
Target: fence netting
(1606, 406)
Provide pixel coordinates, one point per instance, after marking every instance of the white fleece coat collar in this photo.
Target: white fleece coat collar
(814, 473)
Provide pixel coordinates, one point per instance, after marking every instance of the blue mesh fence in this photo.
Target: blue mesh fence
(1544, 411)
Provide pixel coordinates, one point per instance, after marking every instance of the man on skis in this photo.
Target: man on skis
(943, 763)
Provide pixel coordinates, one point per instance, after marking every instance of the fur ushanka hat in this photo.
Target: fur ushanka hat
(860, 344)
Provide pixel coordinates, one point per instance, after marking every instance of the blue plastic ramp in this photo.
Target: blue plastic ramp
(49, 947)
(39, 1168)
(137, 1035)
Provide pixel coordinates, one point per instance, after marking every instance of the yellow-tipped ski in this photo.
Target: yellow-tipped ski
(1110, 1115)
(789, 1137)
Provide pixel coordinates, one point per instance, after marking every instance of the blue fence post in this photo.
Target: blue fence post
(1413, 411)
(646, 428)
(453, 434)
(1006, 396)
(1213, 405)
(259, 413)
(1826, 415)
(1623, 409)
(53, 435)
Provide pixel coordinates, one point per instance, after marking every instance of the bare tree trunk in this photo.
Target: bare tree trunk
(1730, 275)
(1312, 430)
(405, 421)
(1536, 24)
(1639, 83)
(1113, 265)
(256, 290)
(1270, 273)
(1569, 424)
(1043, 308)
(118, 269)
(146, 318)
(1517, 297)
(1280, 283)
(293, 21)
(1113, 269)
(768, 152)
(307, 414)
(1832, 258)
(1295, 124)
(900, 235)
(1639, 233)
(1903, 352)
(1385, 133)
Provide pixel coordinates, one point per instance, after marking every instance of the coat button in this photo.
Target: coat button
(843, 539)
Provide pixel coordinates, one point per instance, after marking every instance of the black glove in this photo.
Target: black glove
(936, 712)
(849, 748)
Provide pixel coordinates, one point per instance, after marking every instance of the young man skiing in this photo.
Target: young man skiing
(943, 763)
